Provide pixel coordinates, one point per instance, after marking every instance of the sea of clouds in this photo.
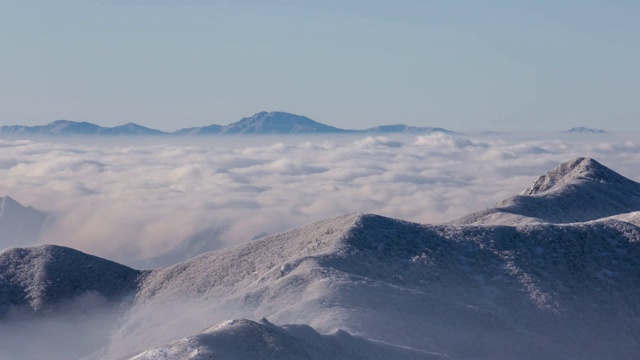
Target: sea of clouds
(137, 200)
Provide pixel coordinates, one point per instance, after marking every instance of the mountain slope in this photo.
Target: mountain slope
(532, 291)
(578, 190)
(39, 279)
(471, 292)
(262, 340)
(19, 225)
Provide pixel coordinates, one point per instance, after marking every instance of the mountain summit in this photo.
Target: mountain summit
(580, 169)
(277, 122)
(578, 190)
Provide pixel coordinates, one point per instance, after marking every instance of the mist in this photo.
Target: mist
(73, 330)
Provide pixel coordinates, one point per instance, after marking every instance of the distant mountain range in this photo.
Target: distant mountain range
(262, 123)
(553, 273)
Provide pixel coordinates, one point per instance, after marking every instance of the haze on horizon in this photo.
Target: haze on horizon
(352, 64)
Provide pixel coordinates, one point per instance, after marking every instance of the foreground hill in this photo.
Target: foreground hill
(42, 278)
(578, 190)
(471, 292)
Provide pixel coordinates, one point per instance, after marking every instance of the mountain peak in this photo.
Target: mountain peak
(578, 168)
(277, 122)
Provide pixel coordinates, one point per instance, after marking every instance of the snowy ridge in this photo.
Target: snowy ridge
(580, 169)
(578, 190)
(471, 292)
(262, 340)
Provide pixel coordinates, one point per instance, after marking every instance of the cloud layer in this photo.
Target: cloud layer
(134, 201)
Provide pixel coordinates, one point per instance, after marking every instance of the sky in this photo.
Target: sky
(462, 65)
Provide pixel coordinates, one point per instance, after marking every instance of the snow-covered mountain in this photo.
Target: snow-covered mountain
(19, 225)
(66, 127)
(581, 189)
(371, 286)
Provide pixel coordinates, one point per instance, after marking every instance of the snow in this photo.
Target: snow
(38, 279)
(261, 340)
(576, 191)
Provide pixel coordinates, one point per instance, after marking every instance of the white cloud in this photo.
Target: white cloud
(137, 201)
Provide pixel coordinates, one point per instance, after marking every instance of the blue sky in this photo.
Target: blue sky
(503, 65)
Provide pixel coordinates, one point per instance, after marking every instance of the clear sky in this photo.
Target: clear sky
(350, 63)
